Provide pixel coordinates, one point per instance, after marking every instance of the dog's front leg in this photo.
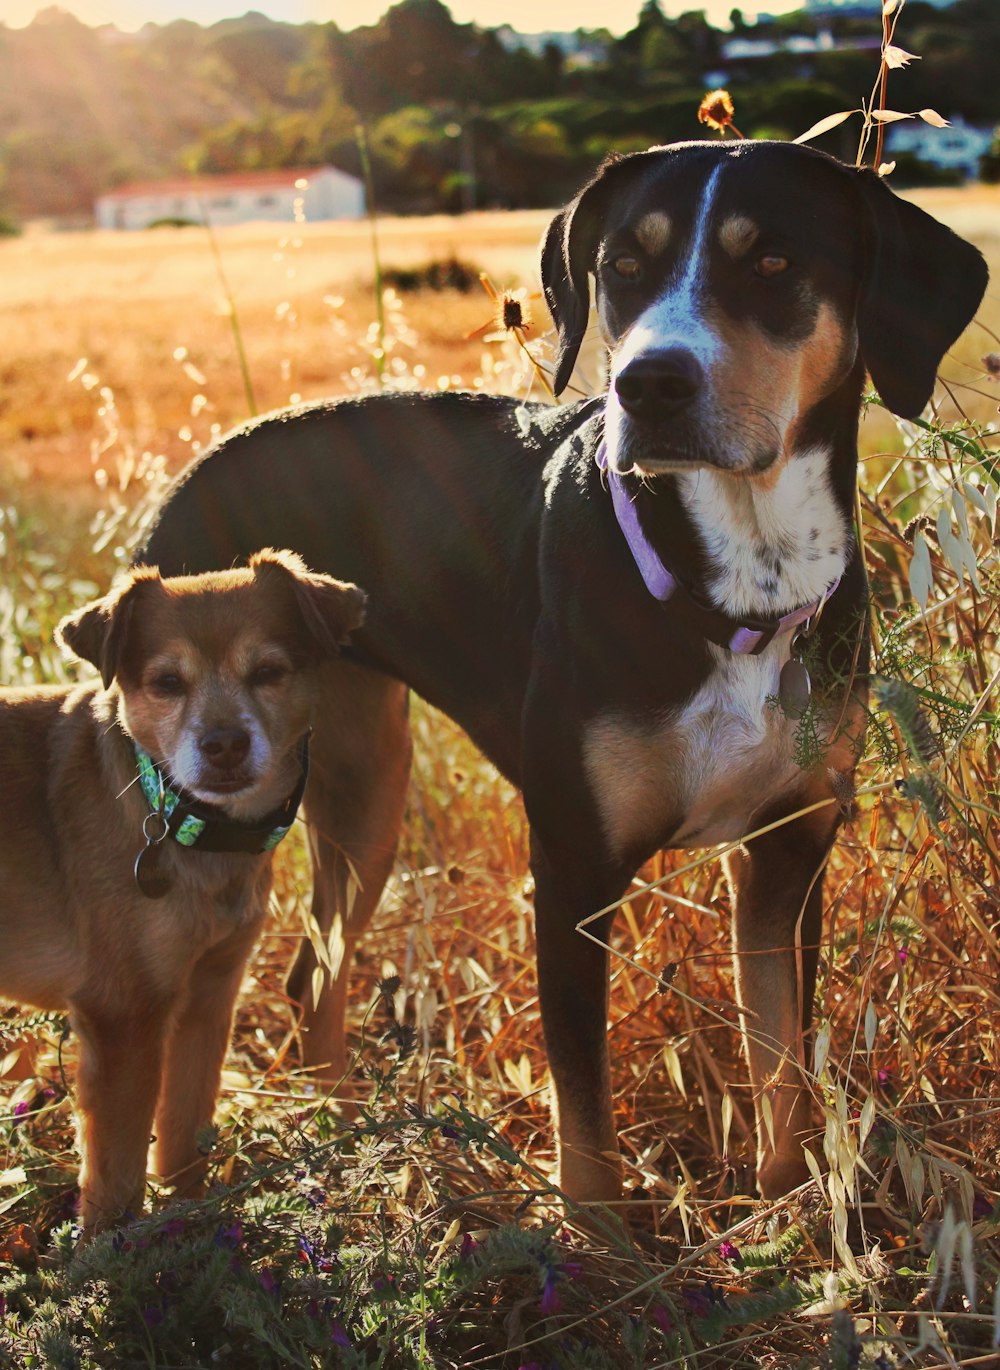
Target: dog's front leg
(776, 881)
(573, 991)
(196, 1046)
(117, 1083)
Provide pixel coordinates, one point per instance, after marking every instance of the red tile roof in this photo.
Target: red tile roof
(213, 185)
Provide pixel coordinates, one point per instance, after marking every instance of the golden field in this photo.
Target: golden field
(304, 299)
(126, 302)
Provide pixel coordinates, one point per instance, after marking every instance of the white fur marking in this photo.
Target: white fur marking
(676, 318)
(773, 543)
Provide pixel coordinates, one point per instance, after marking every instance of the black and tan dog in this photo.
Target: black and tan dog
(608, 595)
(138, 821)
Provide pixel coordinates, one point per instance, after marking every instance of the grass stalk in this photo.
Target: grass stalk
(361, 138)
(231, 312)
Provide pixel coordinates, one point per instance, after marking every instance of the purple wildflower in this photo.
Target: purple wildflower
(270, 1280)
(468, 1248)
(981, 1207)
(902, 954)
(174, 1227)
(21, 1109)
(702, 1301)
(729, 1251)
(697, 1300)
(230, 1235)
(662, 1319)
(551, 1303)
(307, 1251)
(337, 1334)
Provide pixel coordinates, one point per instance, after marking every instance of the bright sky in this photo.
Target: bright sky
(530, 16)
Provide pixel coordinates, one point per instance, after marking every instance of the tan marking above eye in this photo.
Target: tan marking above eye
(652, 232)
(771, 264)
(737, 235)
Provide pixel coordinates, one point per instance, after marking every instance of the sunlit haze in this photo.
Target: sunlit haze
(556, 15)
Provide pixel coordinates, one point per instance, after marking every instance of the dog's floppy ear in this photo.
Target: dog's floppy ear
(923, 286)
(331, 609)
(568, 252)
(98, 632)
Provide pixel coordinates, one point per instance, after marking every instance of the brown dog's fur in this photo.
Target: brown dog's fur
(150, 984)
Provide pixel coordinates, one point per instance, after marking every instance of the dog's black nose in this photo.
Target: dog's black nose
(659, 384)
(225, 748)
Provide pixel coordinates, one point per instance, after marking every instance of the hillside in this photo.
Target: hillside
(84, 109)
(457, 116)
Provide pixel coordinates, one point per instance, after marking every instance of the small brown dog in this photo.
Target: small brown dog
(138, 821)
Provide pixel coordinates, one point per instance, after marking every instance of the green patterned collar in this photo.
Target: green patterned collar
(194, 824)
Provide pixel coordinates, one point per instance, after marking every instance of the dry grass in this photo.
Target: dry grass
(126, 302)
(908, 1001)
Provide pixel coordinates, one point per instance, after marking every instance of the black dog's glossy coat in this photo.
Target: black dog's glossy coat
(501, 590)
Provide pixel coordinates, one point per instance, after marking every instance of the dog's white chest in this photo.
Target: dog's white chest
(712, 766)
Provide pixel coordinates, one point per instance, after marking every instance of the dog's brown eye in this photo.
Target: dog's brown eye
(771, 265)
(627, 267)
(167, 683)
(269, 673)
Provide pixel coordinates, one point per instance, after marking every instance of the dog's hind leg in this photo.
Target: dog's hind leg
(777, 886)
(197, 1042)
(354, 804)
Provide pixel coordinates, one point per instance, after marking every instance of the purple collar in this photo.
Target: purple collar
(744, 636)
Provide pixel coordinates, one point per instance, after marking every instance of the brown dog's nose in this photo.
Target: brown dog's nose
(658, 385)
(225, 748)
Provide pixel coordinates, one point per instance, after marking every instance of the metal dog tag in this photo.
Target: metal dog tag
(794, 689)
(151, 875)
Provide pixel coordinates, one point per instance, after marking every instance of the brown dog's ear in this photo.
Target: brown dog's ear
(923, 286)
(331, 609)
(98, 632)
(569, 249)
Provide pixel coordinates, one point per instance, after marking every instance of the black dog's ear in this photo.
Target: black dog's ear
(923, 286)
(97, 633)
(331, 609)
(568, 253)
(567, 296)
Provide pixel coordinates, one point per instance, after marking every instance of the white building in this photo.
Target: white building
(315, 192)
(959, 147)
(862, 6)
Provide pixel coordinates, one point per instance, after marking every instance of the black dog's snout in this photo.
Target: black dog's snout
(659, 384)
(225, 748)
